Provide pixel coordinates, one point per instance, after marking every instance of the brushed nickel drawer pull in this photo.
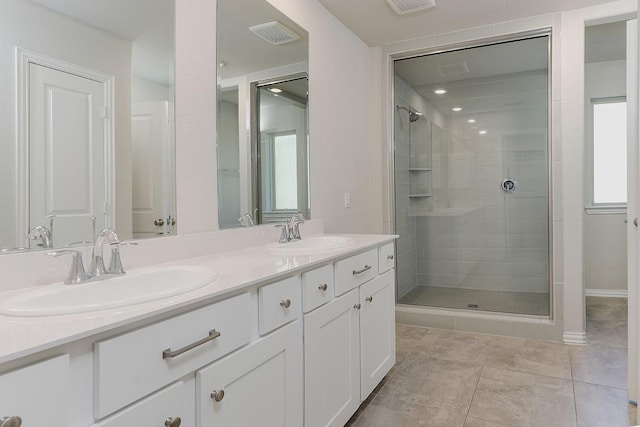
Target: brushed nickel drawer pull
(390, 257)
(323, 287)
(357, 306)
(169, 354)
(172, 422)
(217, 395)
(285, 303)
(369, 299)
(366, 268)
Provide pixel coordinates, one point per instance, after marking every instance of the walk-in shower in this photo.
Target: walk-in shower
(472, 178)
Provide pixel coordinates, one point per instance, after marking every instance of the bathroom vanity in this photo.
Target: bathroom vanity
(284, 336)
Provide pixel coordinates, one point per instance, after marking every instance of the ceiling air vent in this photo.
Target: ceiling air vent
(274, 32)
(408, 6)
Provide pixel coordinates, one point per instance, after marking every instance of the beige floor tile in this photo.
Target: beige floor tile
(600, 365)
(520, 399)
(479, 422)
(599, 308)
(612, 333)
(385, 411)
(534, 357)
(600, 406)
(432, 382)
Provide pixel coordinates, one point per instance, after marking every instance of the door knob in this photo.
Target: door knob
(173, 422)
(10, 421)
(217, 395)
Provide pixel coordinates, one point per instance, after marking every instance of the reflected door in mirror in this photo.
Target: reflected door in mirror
(66, 153)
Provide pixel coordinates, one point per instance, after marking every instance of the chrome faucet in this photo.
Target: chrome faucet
(98, 269)
(291, 230)
(246, 220)
(42, 232)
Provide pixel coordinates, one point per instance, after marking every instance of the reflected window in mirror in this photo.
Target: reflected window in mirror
(248, 62)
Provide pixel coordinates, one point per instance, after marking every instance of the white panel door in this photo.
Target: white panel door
(66, 153)
(377, 331)
(151, 168)
(332, 362)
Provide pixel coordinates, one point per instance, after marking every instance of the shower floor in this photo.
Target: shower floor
(533, 303)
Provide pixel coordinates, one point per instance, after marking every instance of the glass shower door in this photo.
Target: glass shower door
(478, 236)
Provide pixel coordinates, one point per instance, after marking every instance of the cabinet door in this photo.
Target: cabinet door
(332, 362)
(259, 385)
(377, 331)
(39, 393)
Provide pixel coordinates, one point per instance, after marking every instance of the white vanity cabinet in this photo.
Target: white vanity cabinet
(259, 385)
(38, 393)
(350, 341)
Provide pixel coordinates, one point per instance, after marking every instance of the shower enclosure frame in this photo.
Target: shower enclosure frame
(392, 107)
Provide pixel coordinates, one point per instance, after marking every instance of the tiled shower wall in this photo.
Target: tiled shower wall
(500, 242)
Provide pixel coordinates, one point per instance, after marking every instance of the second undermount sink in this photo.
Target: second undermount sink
(312, 245)
(136, 287)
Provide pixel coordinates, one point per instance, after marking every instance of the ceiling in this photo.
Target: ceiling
(376, 24)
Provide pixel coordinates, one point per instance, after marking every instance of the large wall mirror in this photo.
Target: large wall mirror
(263, 138)
(86, 120)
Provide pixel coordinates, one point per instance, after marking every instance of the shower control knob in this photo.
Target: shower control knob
(509, 185)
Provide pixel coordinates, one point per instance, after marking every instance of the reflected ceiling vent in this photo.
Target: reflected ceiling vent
(453, 69)
(409, 6)
(274, 32)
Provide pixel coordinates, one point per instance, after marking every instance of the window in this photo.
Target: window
(285, 171)
(609, 154)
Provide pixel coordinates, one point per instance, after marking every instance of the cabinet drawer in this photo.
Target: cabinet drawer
(317, 287)
(39, 393)
(155, 410)
(135, 364)
(386, 258)
(354, 271)
(279, 303)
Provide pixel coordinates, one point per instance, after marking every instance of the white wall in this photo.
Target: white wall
(605, 235)
(35, 28)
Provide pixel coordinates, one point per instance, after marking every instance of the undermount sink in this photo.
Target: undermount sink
(312, 245)
(134, 288)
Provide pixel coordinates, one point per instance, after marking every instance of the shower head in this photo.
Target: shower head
(413, 115)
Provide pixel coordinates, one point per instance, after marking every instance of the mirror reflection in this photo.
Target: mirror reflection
(91, 142)
(263, 166)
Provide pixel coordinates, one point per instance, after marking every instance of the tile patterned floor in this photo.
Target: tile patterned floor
(457, 379)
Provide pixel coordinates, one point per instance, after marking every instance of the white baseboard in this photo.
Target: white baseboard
(607, 293)
(574, 338)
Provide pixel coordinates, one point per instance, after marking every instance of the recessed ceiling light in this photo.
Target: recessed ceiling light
(275, 90)
(482, 132)
(471, 120)
(456, 109)
(440, 91)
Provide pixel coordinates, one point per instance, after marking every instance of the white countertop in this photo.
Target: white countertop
(237, 270)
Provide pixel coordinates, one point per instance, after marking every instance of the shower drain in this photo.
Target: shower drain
(472, 305)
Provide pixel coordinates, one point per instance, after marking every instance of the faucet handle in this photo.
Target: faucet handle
(284, 233)
(115, 265)
(76, 272)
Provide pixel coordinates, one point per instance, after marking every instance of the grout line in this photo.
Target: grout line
(475, 389)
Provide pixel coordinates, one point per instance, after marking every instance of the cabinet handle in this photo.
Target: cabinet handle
(173, 422)
(366, 268)
(357, 306)
(10, 421)
(368, 299)
(323, 287)
(285, 303)
(217, 395)
(390, 257)
(169, 354)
